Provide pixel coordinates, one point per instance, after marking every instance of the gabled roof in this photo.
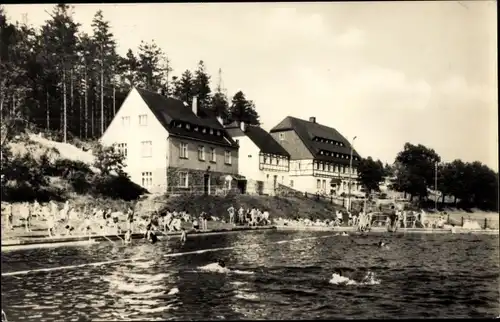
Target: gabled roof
(169, 111)
(307, 131)
(260, 137)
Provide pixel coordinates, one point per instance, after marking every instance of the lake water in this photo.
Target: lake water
(274, 275)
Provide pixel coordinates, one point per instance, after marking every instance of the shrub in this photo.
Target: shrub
(108, 159)
(116, 187)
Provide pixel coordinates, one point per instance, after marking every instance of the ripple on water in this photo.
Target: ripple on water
(445, 276)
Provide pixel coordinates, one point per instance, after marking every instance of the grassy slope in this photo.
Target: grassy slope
(217, 205)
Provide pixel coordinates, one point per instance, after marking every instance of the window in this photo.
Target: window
(318, 184)
(277, 161)
(323, 166)
(125, 120)
(183, 179)
(329, 167)
(324, 184)
(213, 157)
(201, 153)
(282, 136)
(291, 183)
(317, 165)
(146, 149)
(122, 149)
(343, 168)
(184, 151)
(143, 120)
(227, 157)
(147, 179)
(265, 159)
(211, 131)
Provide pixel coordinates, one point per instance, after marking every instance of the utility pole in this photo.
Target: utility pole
(350, 175)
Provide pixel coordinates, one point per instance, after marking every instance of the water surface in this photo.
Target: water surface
(272, 277)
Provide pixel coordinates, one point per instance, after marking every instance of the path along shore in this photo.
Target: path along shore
(456, 230)
(34, 242)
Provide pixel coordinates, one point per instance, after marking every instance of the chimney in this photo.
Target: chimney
(312, 119)
(243, 126)
(220, 120)
(195, 105)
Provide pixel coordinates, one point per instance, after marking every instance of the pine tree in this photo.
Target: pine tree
(59, 35)
(243, 110)
(107, 60)
(202, 85)
(153, 67)
(184, 87)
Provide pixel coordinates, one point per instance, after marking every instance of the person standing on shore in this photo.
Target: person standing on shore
(10, 217)
(230, 210)
(130, 219)
(241, 216)
(204, 218)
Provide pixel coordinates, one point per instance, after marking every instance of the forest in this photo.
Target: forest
(59, 79)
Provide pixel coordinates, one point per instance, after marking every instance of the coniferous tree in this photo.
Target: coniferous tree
(202, 85)
(184, 87)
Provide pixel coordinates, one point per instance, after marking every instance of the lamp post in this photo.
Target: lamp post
(350, 175)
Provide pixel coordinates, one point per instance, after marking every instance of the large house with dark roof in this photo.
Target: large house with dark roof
(261, 158)
(170, 146)
(319, 156)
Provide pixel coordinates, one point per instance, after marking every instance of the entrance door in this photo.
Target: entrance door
(206, 183)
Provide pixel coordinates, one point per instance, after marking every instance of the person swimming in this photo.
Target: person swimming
(150, 235)
(221, 263)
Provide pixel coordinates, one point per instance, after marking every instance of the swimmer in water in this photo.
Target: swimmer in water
(183, 236)
(381, 244)
(221, 263)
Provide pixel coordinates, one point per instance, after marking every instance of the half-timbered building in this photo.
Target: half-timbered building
(319, 156)
(261, 158)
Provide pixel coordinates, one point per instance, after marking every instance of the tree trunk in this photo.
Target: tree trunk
(80, 115)
(48, 110)
(71, 102)
(102, 100)
(85, 116)
(64, 106)
(114, 100)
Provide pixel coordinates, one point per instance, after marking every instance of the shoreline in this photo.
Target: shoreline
(458, 230)
(35, 242)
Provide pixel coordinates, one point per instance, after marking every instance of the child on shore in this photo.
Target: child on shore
(183, 236)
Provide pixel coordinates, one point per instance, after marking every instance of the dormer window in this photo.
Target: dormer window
(218, 133)
(179, 125)
(204, 130)
(196, 129)
(188, 126)
(211, 131)
(321, 152)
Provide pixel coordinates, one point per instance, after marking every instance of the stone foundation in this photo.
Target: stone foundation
(196, 181)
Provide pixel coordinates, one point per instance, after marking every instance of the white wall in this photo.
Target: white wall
(248, 159)
(133, 134)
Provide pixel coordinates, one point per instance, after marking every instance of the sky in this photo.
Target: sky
(385, 72)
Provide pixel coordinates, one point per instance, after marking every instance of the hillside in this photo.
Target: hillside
(288, 207)
(36, 168)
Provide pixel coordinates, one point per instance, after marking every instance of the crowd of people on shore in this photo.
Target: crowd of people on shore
(70, 220)
(100, 221)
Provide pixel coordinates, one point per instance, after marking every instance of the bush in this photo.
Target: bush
(108, 159)
(116, 187)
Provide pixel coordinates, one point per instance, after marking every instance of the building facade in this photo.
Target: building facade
(262, 160)
(319, 157)
(170, 146)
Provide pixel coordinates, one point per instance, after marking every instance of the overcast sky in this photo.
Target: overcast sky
(388, 72)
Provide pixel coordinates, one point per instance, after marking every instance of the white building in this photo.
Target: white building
(170, 146)
(261, 158)
(319, 157)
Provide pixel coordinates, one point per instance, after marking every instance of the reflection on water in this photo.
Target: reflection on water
(419, 276)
